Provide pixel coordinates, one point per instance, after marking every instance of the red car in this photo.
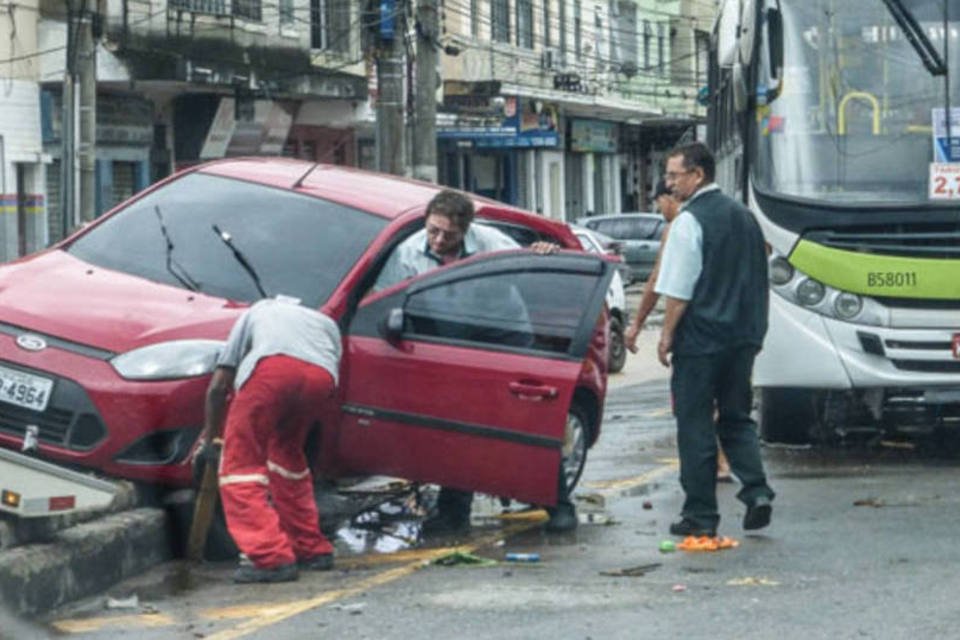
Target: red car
(479, 375)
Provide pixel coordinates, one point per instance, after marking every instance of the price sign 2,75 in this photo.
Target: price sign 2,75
(944, 181)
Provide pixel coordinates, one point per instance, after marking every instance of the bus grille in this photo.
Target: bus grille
(914, 240)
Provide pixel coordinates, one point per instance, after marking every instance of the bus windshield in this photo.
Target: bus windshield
(854, 121)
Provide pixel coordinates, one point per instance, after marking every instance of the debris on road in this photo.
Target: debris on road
(353, 609)
(523, 557)
(869, 502)
(130, 602)
(751, 581)
(462, 557)
(705, 543)
(595, 518)
(898, 444)
(632, 572)
(667, 546)
(647, 504)
(678, 588)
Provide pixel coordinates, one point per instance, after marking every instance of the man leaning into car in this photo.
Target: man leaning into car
(448, 236)
(281, 360)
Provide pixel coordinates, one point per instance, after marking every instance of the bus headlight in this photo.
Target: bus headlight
(781, 271)
(847, 305)
(810, 292)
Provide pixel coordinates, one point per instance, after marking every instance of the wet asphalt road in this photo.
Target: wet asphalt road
(862, 545)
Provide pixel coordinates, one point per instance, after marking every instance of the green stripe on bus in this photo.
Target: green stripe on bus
(878, 275)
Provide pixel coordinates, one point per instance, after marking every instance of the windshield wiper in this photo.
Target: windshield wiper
(183, 277)
(227, 239)
(929, 56)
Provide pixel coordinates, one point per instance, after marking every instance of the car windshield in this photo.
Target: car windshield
(854, 122)
(298, 245)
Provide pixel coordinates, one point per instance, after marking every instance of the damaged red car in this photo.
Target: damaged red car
(107, 339)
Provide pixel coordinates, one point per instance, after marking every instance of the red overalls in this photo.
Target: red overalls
(265, 483)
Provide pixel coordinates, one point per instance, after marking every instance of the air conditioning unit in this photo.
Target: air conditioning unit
(550, 59)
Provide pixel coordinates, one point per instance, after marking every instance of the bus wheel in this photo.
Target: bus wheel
(786, 415)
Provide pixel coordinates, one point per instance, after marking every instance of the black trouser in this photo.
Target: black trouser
(712, 399)
(456, 504)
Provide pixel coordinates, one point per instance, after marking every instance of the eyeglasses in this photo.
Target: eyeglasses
(437, 232)
(673, 175)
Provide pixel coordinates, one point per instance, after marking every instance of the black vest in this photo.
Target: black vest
(729, 304)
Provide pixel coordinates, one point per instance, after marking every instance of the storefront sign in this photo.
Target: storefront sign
(593, 135)
(524, 123)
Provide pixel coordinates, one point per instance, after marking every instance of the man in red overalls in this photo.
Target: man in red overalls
(281, 360)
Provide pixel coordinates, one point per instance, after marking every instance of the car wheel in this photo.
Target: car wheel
(618, 351)
(575, 444)
(786, 415)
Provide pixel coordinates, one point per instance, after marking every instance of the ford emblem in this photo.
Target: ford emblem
(31, 342)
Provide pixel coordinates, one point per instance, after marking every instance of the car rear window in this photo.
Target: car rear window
(298, 245)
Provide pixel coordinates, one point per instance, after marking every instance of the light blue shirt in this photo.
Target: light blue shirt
(413, 256)
(682, 260)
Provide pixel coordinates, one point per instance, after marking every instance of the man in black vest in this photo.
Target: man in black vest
(714, 278)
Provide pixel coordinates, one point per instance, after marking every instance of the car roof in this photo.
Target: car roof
(382, 194)
(621, 216)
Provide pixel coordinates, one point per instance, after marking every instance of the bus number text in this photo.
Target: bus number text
(892, 279)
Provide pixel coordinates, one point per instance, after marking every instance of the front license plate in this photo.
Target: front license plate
(24, 389)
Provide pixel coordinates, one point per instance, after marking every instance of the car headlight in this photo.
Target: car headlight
(847, 305)
(169, 360)
(781, 271)
(810, 292)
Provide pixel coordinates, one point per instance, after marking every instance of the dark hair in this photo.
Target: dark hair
(661, 189)
(454, 205)
(696, 154)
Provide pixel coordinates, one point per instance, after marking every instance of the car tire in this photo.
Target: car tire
(576, 442)
(786, 415)
(618, 350)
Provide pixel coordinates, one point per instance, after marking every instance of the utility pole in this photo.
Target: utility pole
(87, 142)
(68, 191)
(425, 113)
(391, 152)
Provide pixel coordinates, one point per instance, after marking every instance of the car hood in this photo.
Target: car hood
(56, 294)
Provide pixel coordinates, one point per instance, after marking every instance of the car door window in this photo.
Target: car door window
(518, 310)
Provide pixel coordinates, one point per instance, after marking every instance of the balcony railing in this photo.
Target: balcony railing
(215, 7)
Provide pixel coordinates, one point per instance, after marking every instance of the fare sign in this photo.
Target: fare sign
(944, 181)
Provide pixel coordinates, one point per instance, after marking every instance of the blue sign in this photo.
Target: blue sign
(526, 123)
(946, 149)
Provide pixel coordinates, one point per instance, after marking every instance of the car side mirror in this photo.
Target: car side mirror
(391, 325)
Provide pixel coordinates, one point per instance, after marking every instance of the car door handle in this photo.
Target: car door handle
(532, 391)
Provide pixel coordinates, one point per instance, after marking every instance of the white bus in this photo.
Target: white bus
(828, 118)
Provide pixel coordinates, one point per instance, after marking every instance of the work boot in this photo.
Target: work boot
(563, 516)
(248, 573)
(758, 514)
(322, 562)
(453, 513)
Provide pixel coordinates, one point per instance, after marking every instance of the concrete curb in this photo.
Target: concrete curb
(83, 560)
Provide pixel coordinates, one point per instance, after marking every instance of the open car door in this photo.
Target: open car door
(464, 376)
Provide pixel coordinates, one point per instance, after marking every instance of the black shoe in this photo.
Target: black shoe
(445, 524)
(246, 574)
(758, 514)
(322, 562)
(563, 518)
(689, 528)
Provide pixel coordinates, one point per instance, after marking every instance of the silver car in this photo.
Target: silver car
(639, 234)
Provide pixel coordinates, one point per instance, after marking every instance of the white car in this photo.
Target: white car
(594, 242)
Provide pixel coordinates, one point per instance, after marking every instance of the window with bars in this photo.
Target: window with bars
(647, 37)
(330, 25)
(216, 7)
(546, 24)
(577, 28)
(249, 9)
(525, 24)
(286, 13)
(475, 18)
(661, 48)
(500, 21)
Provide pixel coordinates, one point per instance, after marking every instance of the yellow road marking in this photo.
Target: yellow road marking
(96, 624)
(267, 615)
(614, 486)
